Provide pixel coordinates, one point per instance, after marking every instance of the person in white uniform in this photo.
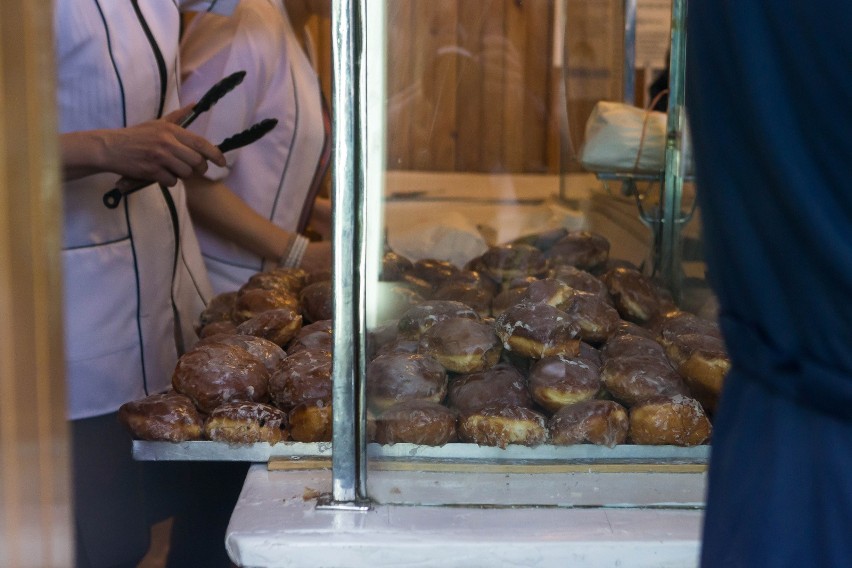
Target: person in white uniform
(252, 213)
(134, 281)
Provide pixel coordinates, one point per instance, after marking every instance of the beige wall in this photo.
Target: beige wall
(35, 526)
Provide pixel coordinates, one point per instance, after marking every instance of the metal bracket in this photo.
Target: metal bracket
(326, 502)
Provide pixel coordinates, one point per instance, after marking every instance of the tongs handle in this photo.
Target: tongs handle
(255, 132)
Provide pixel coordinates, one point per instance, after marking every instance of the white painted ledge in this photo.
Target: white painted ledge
(276, 524)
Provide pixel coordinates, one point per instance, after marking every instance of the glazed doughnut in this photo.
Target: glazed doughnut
(675, 421)
(501, 385)
(590, 353)
(583, 249)
(521, 362)
(224, 327)
(547, 291)
(278, 325)
(580, 280)
(631, 380)
(380, 335)
(417, 319)
(216, 373)
(600, 422)
(394, 299)
(317, 301)
(542, 240)
(311, 421)
(633, 293)
(246, 423)
(397, 377)
(503, 425)
(612, 264)
(432, 270)
(462, 345)
(475, 278)
(399, 345)
(267, 352)
(218, 309)
(506, 299)
(163, 417)
(703, 363)
(290, 280)
(557, 381)
(518, 282)
(252, 301)
(596, 319)
(673, 324)
(385, 339)
(630, 328)
(394, 266)
(418, 285)
(473, 296)
(416, 422)
(629, 345)
(304, 376)
(664, 295)
(505, 262)
(538, 330)
(317, 335)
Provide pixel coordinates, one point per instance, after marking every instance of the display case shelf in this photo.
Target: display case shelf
(451, 453)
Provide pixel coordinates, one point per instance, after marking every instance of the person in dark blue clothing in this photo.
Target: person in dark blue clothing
(769, 99)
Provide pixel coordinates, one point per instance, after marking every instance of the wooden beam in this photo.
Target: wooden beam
(35, 503)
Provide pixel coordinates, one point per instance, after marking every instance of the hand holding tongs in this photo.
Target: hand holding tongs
(113, 197)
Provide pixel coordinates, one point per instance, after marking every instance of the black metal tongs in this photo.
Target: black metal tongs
(113, 197)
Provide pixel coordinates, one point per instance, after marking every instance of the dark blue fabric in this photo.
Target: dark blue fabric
(769, 99)
(779, 493)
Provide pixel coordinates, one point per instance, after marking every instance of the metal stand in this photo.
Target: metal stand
(671, 243)
(667, 221)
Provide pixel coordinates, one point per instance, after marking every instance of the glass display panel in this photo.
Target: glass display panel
(536, 305)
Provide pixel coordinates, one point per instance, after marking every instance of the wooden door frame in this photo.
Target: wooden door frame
(35, 502)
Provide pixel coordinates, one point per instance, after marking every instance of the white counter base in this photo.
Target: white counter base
(276, 524)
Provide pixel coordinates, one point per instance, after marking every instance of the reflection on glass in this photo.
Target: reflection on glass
(518, 312)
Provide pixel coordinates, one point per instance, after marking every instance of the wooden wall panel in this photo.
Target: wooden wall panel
(472, 85)
(495, 54)
(594, 38)
(469, 84)
(540, 150)
(434, 122)
(517, 80)
(35, 513)
(402, 92)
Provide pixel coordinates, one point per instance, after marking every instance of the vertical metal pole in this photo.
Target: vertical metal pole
(671, 245)
(629, 72)
(560, 58)
(348, 454)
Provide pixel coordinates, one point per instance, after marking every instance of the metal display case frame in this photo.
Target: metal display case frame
(357, 121)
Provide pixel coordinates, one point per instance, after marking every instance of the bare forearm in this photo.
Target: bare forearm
(216, 208)
(82, 153)
(158, 151)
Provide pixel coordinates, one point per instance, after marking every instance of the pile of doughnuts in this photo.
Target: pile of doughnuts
(539, 341)
(260, 372)
(542, 340)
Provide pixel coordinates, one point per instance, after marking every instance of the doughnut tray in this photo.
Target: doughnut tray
(455, 452)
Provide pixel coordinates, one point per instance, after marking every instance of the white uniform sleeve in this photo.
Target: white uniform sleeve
(214, 47)
(224, 7)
